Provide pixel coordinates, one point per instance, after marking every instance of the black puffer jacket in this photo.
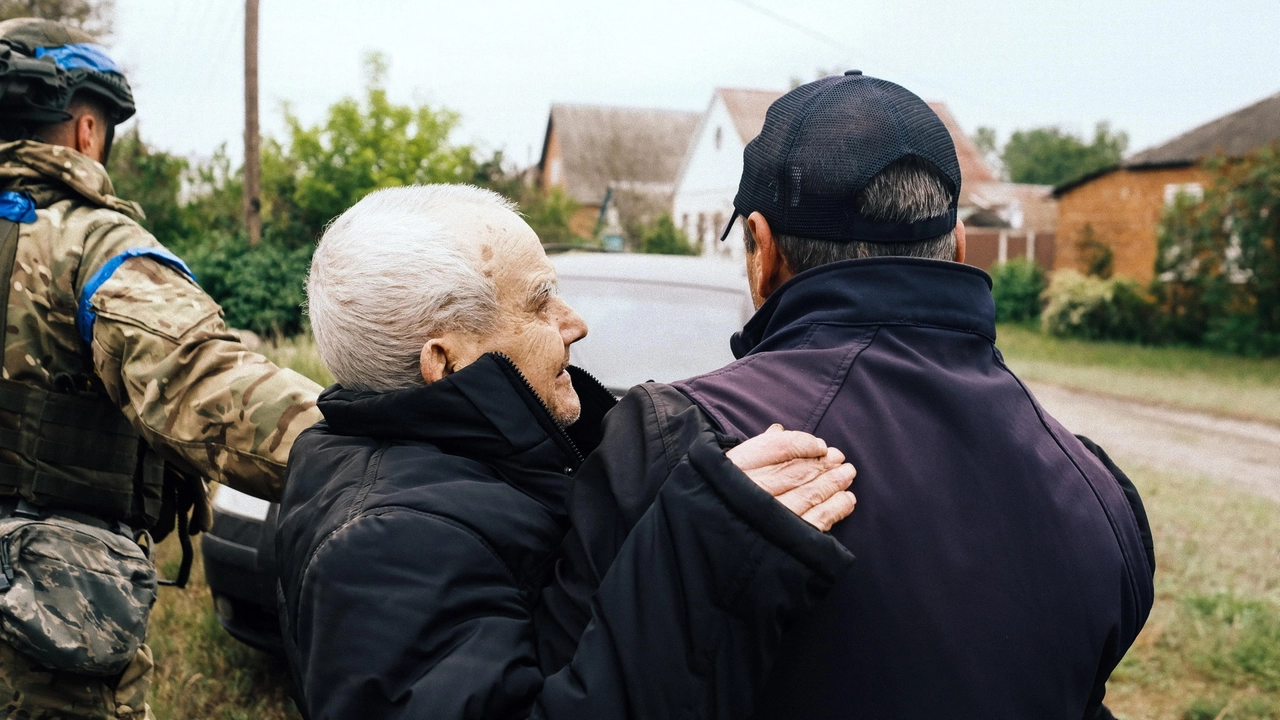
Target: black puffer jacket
(419, 531)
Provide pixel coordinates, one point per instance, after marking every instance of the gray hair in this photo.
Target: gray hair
(389, 275)
(906, 191)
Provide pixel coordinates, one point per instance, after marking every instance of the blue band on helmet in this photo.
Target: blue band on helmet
(17, 207)
(86, 317)
(81, 55)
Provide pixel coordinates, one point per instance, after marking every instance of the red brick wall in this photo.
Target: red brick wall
(1123, 209)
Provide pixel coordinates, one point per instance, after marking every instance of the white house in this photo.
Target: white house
(708, 180)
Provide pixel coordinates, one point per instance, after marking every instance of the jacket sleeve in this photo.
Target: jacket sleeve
(689, 615)
(191, 388)
(678, 577)
(1096, 710)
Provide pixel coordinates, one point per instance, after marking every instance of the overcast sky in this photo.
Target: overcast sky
(1154, 68)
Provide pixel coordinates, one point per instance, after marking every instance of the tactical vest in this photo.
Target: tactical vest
(72, 448)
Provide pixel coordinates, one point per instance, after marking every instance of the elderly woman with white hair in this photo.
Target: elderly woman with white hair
(423, 517)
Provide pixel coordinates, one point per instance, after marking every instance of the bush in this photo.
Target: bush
(664, 238)
(1218, 261)
(1095, 309)
(260, 289)
(1017, 286)
(550, 214)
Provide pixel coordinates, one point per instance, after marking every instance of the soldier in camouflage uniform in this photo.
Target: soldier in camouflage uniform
(121, 387)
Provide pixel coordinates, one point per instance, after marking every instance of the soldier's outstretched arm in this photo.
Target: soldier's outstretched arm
(191, 388)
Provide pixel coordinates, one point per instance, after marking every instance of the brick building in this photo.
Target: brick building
(1119, 208)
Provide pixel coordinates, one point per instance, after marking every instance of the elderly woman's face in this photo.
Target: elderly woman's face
(537, 326)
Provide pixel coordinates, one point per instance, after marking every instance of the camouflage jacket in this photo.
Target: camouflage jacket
(160, 348)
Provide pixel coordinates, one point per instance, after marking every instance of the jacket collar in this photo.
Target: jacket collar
(485, 411)
(48, 171)
(874, 291)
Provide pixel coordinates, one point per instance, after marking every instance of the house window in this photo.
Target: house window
(1194, 190)
(719, 136)
(555, 171)
(717, 227)
(702, 228)
(684, 223)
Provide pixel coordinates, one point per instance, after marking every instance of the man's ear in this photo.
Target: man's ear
(86, 136)
(435, 360)
(771, 267)
(960, 246)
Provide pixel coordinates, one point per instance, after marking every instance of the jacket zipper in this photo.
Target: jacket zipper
(529, 386)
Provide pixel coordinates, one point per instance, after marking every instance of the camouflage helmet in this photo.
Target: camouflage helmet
(43, 65)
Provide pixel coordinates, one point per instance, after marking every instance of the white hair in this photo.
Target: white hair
(389, 275)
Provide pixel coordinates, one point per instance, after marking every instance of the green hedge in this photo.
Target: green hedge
(1017, 287)
(260, 289)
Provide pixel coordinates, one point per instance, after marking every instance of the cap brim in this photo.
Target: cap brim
(729, 226)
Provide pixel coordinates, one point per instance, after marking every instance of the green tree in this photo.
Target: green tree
(1052, 156)
(360, 147)
(93, 16)
(1218, 258)
(988, 144)
(152, 178)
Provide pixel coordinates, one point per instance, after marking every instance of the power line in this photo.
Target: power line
(798, 26)
(853, 53)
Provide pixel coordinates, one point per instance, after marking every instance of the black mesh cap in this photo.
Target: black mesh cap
(820, 145)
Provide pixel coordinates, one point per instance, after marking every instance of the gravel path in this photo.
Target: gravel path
(1235, 452)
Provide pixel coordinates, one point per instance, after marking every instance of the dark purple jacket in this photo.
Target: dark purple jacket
(1001, 570)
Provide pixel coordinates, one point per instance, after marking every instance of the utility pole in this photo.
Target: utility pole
(252, 166)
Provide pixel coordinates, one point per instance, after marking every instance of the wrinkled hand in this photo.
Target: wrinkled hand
(801, 472)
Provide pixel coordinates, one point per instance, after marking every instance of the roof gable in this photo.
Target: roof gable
(748, 108)
(600, 145)
(1238, 133)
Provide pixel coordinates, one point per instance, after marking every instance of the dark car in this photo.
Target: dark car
(651, 317)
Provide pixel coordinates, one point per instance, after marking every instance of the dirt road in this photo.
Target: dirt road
(1235, 452)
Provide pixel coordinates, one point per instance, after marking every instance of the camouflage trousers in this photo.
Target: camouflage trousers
(31, 692)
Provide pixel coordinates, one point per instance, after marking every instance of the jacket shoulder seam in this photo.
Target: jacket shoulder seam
(663, 427)
(838, 379)
(366, 482)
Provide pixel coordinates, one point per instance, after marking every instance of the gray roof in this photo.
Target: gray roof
(641, 148)
(1239, 133)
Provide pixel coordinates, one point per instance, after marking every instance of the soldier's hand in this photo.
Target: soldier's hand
(801, 472)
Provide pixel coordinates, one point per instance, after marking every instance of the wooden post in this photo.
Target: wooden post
(252, 166)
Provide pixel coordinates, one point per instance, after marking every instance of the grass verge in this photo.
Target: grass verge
(1188, 378)
(299, 354)
(201, 672)
(1211, 648)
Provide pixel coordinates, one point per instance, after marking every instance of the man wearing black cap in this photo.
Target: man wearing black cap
(1004, 566)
